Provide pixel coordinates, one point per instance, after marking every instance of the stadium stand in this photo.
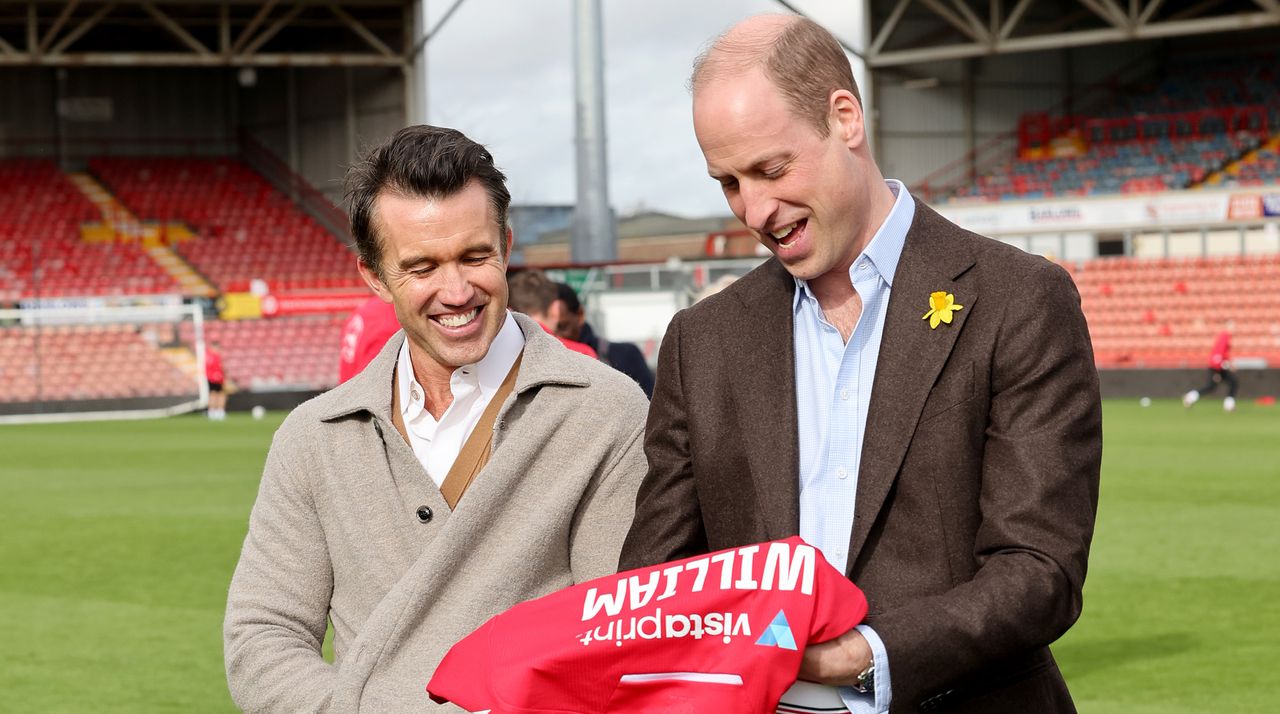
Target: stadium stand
(282, 353)
(1173, 134)
(85, 362)
(1164, 312)
(248, 230)
(1258, 168)
(41, 213)
(1146, 166)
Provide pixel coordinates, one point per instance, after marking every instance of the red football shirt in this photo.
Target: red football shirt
(213, 366)
(1221, 350)
(722, 632)
(579, 347)
(366, 331)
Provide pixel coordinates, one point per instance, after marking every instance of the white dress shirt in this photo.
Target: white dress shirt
(438, 443)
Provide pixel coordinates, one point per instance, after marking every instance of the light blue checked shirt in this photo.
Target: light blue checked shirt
(833, 394)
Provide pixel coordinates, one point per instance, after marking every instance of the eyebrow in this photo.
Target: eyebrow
(476, 248)
(757, 165)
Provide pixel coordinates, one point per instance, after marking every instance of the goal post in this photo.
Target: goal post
(97, 361)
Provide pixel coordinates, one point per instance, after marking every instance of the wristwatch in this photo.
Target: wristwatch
(866, 681)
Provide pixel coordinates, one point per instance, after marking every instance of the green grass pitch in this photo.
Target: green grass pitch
(119, 540)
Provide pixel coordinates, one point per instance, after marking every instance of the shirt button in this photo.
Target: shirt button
(844, 394)
(842, 473)
(424, 514)
(414, 394)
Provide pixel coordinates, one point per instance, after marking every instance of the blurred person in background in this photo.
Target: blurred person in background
(475, 463)
(917, 401)
(1220, 370)
(622, 356)
(364, 334)
(533, 293)
(216, 377)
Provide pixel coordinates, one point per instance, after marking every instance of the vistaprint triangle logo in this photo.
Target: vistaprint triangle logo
(778, 633)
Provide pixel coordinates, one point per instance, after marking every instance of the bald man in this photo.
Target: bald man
(917, 401)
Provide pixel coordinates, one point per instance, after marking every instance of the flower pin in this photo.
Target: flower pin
(941, 306)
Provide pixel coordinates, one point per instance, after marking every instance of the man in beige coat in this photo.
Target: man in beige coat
(353, 525)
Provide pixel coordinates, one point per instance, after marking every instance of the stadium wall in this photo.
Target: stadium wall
(319, 120)
(107, 109)
(316, 120)
(1171, 383)
(922, 127)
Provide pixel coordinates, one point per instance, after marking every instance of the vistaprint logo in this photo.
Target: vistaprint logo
(777, 568)
(659, 625)
(778, 633)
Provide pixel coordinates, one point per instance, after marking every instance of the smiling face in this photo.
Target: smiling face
(798, 192)
(444, 271)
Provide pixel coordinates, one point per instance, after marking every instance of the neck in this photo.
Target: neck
(834, 289)
(434, 378)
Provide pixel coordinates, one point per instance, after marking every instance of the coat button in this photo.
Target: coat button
(424, 514)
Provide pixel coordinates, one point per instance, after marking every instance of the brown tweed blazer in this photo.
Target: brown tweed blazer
(979, 480)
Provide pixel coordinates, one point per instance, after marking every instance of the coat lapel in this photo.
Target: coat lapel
(764, 394)
(911, 357)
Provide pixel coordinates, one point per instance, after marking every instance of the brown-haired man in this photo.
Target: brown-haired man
(949, 465)
(534, 294)
(475, 463)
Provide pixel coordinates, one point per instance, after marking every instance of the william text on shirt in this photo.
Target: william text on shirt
(719, 632)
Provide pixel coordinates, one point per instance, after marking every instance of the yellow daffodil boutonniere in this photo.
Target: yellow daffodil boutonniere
(941, 306)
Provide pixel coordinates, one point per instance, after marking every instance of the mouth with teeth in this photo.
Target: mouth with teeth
(457, 320)
(786, 236)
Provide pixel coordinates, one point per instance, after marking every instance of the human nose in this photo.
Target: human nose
(758, 207)
(455, 289)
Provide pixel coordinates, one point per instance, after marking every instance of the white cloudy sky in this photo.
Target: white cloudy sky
(502, 72)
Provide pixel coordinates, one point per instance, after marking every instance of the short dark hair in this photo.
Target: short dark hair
(426, 161)
(569, 297)
(531, 292)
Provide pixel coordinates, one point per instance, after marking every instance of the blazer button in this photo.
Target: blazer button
(424, 514)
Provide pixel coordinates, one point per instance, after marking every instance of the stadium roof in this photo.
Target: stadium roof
(232, 33)
(913, 31)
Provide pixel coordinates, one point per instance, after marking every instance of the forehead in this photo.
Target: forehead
(406, 221)
(738, 117)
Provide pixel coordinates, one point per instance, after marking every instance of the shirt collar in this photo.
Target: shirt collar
(885, 248)
(490, 371)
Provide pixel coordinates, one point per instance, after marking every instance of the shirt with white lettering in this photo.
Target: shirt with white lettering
(438, 443)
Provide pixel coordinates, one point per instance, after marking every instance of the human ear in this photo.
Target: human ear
(846, 118)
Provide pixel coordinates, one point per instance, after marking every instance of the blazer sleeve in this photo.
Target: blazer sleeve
(1038, 500)
(278, 605)
(668, 522)
(600, 522)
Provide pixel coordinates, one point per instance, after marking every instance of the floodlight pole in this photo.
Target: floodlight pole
(594, 237)
(416, 69)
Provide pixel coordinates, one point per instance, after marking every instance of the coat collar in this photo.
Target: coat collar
(911, 357)
(910, 360)
(544, 363)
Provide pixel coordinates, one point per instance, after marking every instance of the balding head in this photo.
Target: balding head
(799, 57)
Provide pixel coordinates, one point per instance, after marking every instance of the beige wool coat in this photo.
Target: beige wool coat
(335, 534)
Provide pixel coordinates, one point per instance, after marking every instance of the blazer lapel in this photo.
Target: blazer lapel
(764, 394)
(911, 358)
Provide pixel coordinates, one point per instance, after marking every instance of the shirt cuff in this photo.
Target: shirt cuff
(877, 702)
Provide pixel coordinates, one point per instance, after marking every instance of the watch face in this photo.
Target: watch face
(866, 680)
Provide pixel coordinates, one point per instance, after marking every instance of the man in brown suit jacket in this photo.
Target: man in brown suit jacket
(977, 476)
